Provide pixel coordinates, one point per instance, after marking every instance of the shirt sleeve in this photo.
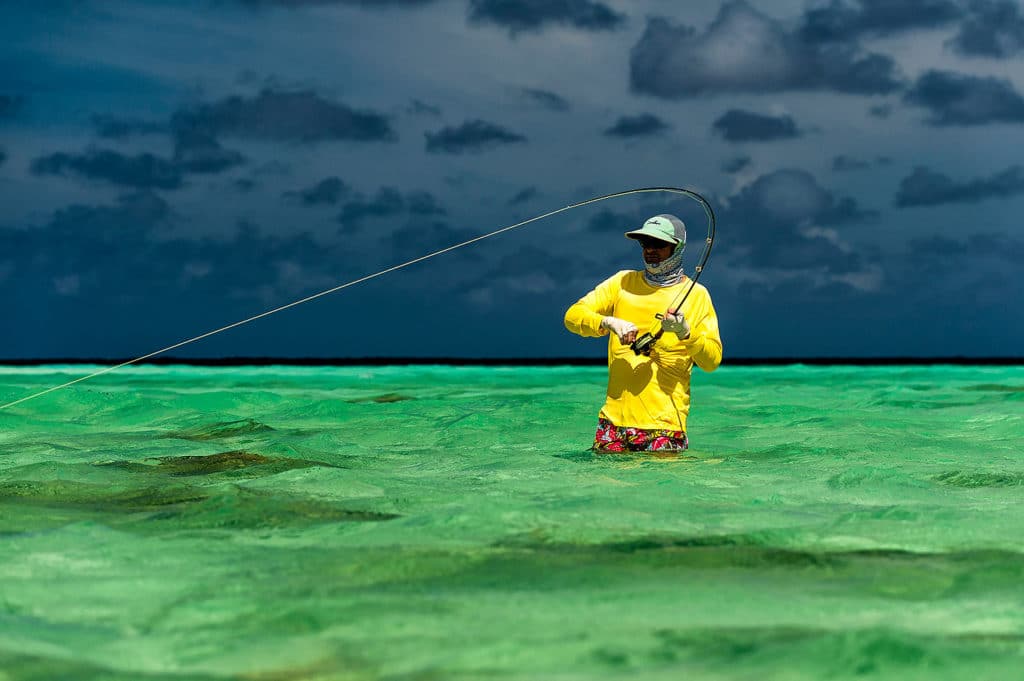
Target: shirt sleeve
(584, 316)
(704, 344)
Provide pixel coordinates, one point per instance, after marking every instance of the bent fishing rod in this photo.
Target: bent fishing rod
(654, 333)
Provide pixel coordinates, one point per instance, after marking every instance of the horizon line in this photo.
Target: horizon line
(510, 361)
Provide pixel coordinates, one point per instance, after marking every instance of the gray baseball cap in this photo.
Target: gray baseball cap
(665, 227)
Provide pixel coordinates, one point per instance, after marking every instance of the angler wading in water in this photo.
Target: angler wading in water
(649, 374)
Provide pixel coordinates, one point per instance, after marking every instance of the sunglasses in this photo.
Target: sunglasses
(648, 243)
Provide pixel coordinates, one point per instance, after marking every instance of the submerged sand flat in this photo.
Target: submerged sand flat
(436, 522)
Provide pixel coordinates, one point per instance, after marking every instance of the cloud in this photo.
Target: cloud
(420, 108)
(532, 270)
(328, 191)
(112, 127)
(785, 220)
(420, 237)
(534, 15)
(793, 198)
(742, 50)
(523, 196)
(423, 204)
(842, 21)
(924, 187)
(735, 165)
(124, 255)
(880, 111)
(364, 4)
(388, 202)
(3, 156)
(843, 163)
(993, 28)
(474, 135)
(937, 254)
(736, 125)
(195, 152)
(960, 99)
(10, 106)
(536, 279)
(641, 125)
(300, 116)
(548, 100)
(81, 239)
(143, 171)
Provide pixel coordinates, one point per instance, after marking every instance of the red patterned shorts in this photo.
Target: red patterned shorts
(612, 438)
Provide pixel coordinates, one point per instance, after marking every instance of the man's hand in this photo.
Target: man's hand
(626, 331)
(676, 323)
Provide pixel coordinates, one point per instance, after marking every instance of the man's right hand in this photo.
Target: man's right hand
(626, 331)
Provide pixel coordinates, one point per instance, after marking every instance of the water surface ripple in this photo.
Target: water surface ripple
(435, 522)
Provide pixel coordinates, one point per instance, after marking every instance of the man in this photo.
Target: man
(649, 396)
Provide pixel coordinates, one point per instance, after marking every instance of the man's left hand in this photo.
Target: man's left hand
(676, 323)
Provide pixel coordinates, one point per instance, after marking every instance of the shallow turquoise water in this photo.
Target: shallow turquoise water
(449, 522)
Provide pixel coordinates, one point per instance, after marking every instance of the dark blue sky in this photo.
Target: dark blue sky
(165, 170)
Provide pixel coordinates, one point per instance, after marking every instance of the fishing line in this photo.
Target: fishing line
(675, 190)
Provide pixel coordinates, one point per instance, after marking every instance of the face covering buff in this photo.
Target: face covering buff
(668, 272)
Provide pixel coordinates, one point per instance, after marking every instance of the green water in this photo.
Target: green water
(449, 523)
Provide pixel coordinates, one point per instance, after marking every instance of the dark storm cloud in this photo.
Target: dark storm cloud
(9, 106)
(423, 204)
(845, 20)
(924, 187)
(735, 165)
(843, 163)
(548, 100)
(531, 270)
(80, 239)
(328, 191)
(198, 153)
(110, 253)
(301, 116)
(388, 202)
(143, 171)
(945, 251)
(193, 153)
(737, 125)
(745, 51)
(475, 135)
(523, 196)
(641, 125)
(534, 15)
(419, 237)
(367, 4)
(783, 218)
(534, 278)
(993, 28)
(880, 111)
(960, 99)
(112, 127)
(421, 108)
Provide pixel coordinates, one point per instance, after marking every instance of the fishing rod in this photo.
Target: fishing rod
(645, 342)
(642, 190)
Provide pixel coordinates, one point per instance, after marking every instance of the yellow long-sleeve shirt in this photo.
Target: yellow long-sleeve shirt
(649, 392)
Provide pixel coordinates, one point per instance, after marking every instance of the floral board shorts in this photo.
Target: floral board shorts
(612, 438)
